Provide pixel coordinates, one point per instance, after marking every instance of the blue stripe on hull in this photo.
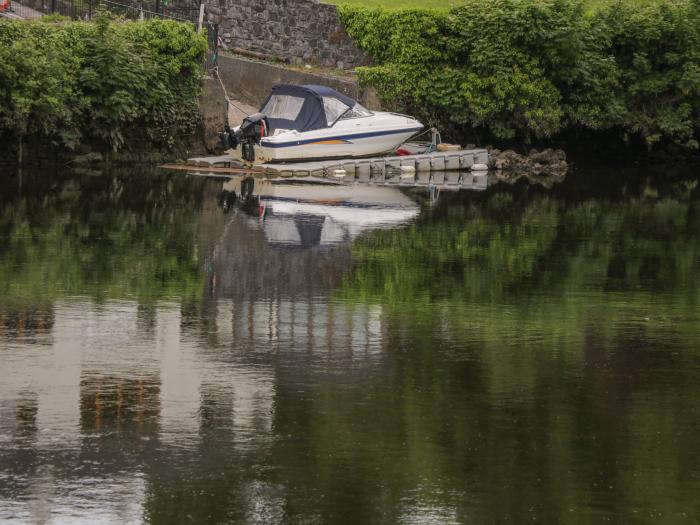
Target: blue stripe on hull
(266, 144)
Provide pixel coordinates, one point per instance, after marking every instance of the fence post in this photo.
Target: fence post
(89, 9)
(53, 6)
(201, 17)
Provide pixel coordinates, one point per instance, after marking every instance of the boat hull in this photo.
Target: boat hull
(347, 145)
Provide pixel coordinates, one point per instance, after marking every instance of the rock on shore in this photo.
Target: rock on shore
(546, 167)
(546, 162)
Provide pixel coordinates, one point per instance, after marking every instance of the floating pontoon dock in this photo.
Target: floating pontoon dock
(383, 167)
(418, 167)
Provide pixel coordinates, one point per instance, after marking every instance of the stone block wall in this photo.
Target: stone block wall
(295, 31)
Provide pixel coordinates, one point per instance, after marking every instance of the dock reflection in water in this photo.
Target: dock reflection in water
(178, 350)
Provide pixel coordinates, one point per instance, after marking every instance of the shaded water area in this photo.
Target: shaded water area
(509, 354)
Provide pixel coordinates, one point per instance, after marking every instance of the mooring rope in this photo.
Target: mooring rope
(226, 97)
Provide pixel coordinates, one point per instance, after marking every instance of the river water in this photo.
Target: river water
(173, 353)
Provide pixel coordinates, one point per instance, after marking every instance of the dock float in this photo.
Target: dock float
(408, 167)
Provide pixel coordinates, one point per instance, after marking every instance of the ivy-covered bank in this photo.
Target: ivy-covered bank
(524, 70)
(111, 85)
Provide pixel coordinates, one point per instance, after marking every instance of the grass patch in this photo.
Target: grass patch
(401, 4)
(448, 4)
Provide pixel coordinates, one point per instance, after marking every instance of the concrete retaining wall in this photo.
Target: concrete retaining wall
(212, 105)
(296, 31)
(250, 81)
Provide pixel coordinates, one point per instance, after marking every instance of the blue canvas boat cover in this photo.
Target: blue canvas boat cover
(304, 108)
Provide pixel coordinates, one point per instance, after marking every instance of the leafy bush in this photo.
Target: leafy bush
(657, 54)
(39, 89)
(105, 81)
(53, 18)
(518, 69)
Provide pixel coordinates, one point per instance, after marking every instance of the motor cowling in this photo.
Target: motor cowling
(252, 129)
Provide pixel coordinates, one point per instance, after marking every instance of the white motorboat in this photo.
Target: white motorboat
(316, 122)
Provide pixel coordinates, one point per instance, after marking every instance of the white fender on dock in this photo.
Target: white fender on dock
(408, 172)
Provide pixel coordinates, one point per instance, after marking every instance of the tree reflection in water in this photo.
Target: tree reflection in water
(518, 353)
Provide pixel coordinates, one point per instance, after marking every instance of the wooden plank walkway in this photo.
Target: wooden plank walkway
(221, 170)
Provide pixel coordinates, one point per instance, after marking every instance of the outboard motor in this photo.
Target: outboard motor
(253, 128)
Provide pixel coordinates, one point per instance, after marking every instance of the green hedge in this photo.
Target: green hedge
(105, 82)
(528, 70)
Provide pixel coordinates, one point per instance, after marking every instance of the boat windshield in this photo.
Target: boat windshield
(334, 109)
(283, 107)
(357, 111)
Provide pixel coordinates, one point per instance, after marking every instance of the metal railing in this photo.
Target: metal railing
(85, 9)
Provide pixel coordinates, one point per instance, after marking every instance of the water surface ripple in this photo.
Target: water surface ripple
(186, 350)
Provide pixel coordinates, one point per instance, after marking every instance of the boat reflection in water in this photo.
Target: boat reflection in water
(284, 247)
(316, 214)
